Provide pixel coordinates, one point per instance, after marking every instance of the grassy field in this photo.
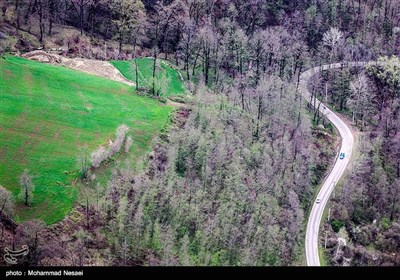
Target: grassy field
(145, 67)
(47, 113)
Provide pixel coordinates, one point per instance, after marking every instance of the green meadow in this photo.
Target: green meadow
(145, 73)
(47, 113)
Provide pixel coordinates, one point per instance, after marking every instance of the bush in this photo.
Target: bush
(99, 156)
(128, 144)
(178, 99)
(120, 138)
(337, 225)
(143, 90)
(102, 154)
(59, 41)
(385, 222)
(162, 99)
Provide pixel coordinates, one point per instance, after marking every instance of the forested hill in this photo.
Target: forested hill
(190, 29)
(233, 179)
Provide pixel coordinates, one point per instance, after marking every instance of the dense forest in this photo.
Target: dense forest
(232, 180)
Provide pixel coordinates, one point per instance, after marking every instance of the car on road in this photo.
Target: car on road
(318, 200)
(341, 156)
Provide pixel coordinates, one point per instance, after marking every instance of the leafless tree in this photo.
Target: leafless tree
(6, 207)
(27, 187)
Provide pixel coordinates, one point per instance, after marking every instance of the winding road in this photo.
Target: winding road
(314, 220)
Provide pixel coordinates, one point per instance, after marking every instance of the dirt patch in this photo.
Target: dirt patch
(28, 80)
(20, 156)
(20, 120)
(3, 152)
(95, 67)
(8, 74)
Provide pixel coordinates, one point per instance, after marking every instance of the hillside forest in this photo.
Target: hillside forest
(231, 179)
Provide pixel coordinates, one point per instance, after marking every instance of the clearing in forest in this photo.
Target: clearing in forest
(173, 80)
(47, 113)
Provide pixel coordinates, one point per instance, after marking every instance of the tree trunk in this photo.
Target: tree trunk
(13, 242)
(242, 96)
(195, 62)
(154, 72)
(136, 75)
(176, 59)
(26, 196)
(51, 16)
(18, 12)
(29, 10)
(257, 70)
(87, 213)
(50, 27)
(187, 68)
(206, 65)
(259, 116)
(41, 27)
(393, 210)
(81, 19)
(120, 42)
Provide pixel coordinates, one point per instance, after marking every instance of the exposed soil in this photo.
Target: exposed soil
(94, 67)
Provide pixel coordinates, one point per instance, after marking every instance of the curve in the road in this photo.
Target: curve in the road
(314, 220)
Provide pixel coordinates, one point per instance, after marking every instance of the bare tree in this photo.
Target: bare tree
(127, 14)
(27, 187)
(28, 233)
(360, 101)
(161, 83)
(83, 162)
(80, 8)
(332, 39)
(41, 11)
(135, 68)
(6, 207)
(6, 202)
(187, 46)
(52, 14)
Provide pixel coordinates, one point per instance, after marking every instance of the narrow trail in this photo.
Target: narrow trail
(347, 145)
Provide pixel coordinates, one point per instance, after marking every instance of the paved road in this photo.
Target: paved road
(315, 217)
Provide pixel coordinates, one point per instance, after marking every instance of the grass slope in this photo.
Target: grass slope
(145, 67)
(47, 112)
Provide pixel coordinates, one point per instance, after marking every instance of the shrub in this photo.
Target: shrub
(116, 146)
(128, 144)
(162, 99)
(103, 154)
(178, 99)
(385, 222)
(337, 225)
(59, 41)
(99, 156)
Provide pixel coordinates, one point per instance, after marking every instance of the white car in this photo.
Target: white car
(318, 200)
